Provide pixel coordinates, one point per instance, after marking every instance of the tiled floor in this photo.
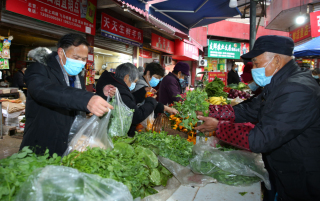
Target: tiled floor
(9, 145)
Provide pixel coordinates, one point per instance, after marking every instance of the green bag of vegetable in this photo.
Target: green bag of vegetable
(54, 183)
(236, 167)
(121, 117)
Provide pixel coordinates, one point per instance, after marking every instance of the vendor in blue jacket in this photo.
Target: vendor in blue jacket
(288, 116)
(170, 86)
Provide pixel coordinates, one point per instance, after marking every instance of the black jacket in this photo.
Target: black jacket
(288, 132)
(140, 113)
(51, 107)
(233, 77)
(18, 80)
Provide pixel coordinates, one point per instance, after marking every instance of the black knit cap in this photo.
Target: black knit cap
(271, 43)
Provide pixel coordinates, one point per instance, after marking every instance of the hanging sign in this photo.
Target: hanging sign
(226, 50)
(301, 33)
(220, 75)
(162, 44)
(244, 48)
(145, 54)
(78, 15)
(185, 51)
(120, 31)
(315, 24)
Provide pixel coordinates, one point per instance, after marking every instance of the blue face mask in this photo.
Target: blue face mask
(253, 86)
(236, 69)
(259, 75)
(133, 85)
(72, 66)
(315, 76)
(154, 82)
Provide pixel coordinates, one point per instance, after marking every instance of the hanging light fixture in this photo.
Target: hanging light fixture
(301, 18)
(233, 4)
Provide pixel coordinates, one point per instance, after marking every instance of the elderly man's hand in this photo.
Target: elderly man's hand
(170, 110)
(210, 124)
(109, 90)
(98, 106)
(150, 89)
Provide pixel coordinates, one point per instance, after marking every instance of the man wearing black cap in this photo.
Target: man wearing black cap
(170, 86)
(288, 116)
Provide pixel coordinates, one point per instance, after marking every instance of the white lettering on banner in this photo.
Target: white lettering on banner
(114, 26)
(51, 1)
(34, 6)
(318, 17)
(134, 33)
(57, 2)
(106, 22)
(29, 10)
(222, 46)
(64, 4)
(128, 31)
(139, 35)
(30, 4)
(121, 27)
(70, 5)
(76, 6)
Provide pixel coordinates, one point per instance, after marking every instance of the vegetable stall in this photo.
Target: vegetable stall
(150, 166)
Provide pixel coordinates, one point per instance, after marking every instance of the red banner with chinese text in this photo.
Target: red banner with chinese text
(162, 44)
(78, 15)
(301, 33)
(119, 28)
(145, 54)
(315, 23)
(220, 75)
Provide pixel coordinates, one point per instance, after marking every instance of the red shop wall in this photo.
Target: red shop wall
(239, 30)
(200, 35)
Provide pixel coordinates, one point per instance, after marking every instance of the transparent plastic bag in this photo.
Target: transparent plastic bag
(184, 174)
(148, 122)
(90, 132)
(121, 117)
(229, 167)
(61, 183)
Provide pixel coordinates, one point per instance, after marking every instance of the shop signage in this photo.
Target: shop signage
(226, 50)
(185, 51)
(162, 44)
(145, 54)
(78, 15)
(222, 76)
(301, 33)
(120, 31)
(315, 24)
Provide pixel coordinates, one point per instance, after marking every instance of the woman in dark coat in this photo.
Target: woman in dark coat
(125, 80)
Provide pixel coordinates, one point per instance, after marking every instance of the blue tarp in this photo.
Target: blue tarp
(212, 8)
(310, 48)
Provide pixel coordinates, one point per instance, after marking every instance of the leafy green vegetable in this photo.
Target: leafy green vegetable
(169, 146)
(243, 193)
(15, 170)
(215, 88)
(241, 86)
(195, 101)
(120, 119)
(138, 170)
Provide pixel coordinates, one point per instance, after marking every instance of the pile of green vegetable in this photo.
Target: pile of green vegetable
(194, 101)
(16, 169)
(215, 88)
(172, 147)
(241, 86)
(120, 119)
(135, 166)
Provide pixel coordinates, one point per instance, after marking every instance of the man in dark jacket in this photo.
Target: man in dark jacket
(56, 93)
(18, 79)
(170, 86)
(125, 80)
(233, 76)
(288, 116)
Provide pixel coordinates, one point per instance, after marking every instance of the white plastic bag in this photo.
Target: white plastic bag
(148, 122)
(90, 132)
(121, 117)
(59, 183)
